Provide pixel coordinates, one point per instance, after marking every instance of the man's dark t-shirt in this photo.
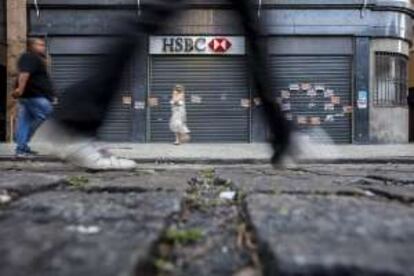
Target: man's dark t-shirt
(39, 83)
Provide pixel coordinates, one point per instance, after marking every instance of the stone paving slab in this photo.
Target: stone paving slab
(144, 180)
(330, 235)
(295, 183)
(24, 183)
(400, 173)
(74, 233)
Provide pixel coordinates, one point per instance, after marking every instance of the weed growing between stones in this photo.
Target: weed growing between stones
(78, 182)
(209, 236)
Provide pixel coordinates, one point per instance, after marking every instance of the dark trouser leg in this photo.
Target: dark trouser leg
(260, 71)
(22, 135)
(85, 104)
(40, 109)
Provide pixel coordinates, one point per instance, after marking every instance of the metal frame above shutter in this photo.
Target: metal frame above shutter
(331, 72)
(68, 69)
(216, 87)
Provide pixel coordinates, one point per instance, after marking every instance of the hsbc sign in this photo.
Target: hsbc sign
(197, 45)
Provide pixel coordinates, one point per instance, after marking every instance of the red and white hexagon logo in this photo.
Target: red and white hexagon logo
(220, 45)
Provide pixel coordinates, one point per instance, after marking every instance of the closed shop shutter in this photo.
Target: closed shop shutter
(68, 69)
(216, 88)
(311, 112)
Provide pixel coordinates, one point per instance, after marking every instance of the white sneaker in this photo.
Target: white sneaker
(89, 157)
(79, 151)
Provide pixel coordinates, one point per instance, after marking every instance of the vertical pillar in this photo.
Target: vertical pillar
(362, 91)
(16, 15)
(3, 78)
(140, 104)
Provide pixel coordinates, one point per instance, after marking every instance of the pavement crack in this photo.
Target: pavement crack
(209, 236)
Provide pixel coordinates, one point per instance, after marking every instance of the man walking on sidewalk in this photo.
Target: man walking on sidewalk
(34, 92)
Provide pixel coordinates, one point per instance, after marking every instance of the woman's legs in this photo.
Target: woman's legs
(177, 138)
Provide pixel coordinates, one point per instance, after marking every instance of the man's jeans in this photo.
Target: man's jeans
(32, 113)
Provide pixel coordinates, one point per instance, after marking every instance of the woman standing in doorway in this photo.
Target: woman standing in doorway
(178, 121)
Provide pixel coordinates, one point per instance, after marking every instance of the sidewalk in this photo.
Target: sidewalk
(244, 153)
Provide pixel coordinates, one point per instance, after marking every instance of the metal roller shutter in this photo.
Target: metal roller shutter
(215, 88)
(332, 72)
(68, 69)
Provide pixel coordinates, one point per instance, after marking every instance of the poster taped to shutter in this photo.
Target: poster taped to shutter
(329, 106)
(302, 120)
(315, 121)
(306, 86)
(336, 100)
(152, 102)
(328, 93)
(126, 100)
(311, 93)
(245, 103)
(319, 87)
(257, 101)
(294, 87)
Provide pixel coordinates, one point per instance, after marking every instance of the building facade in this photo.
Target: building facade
(339, 69)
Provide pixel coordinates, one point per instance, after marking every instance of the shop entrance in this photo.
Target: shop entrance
(217, 97)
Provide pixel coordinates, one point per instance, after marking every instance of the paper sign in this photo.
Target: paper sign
(302, 120)
(329, 118)
(305, 86)
(362, 99)
(196, 99)
(328, 93)
(245, 103)
(311, 105)
(286, 107)
(257, 101)
(139, 105)
(127, 100)
(311, 93)
(329, 106)
(294, 87)
(153, 102)
(335, 100)
(315, 121)
(285, 94)
(319, 87)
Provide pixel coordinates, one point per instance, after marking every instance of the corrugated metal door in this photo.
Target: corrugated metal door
(313, 111)
(216, 88)
(68, 69)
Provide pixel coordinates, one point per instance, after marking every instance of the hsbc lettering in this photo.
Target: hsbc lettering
(184, 45)
(197, 45)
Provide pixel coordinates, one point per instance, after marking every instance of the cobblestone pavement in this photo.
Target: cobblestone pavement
(242, 220)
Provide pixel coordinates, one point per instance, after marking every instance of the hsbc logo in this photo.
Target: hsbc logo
(197, 45)
(220, 45)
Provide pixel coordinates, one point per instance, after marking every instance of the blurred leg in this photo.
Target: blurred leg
(22, 135)
(260, 72)
(40, 110)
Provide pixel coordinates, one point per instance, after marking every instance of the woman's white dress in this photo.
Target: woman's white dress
(178, 121)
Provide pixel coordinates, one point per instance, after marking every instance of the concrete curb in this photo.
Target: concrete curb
(247, 161)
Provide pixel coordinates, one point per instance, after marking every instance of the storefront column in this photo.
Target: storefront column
(362, 91)
(16, 40)
(140, 105)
